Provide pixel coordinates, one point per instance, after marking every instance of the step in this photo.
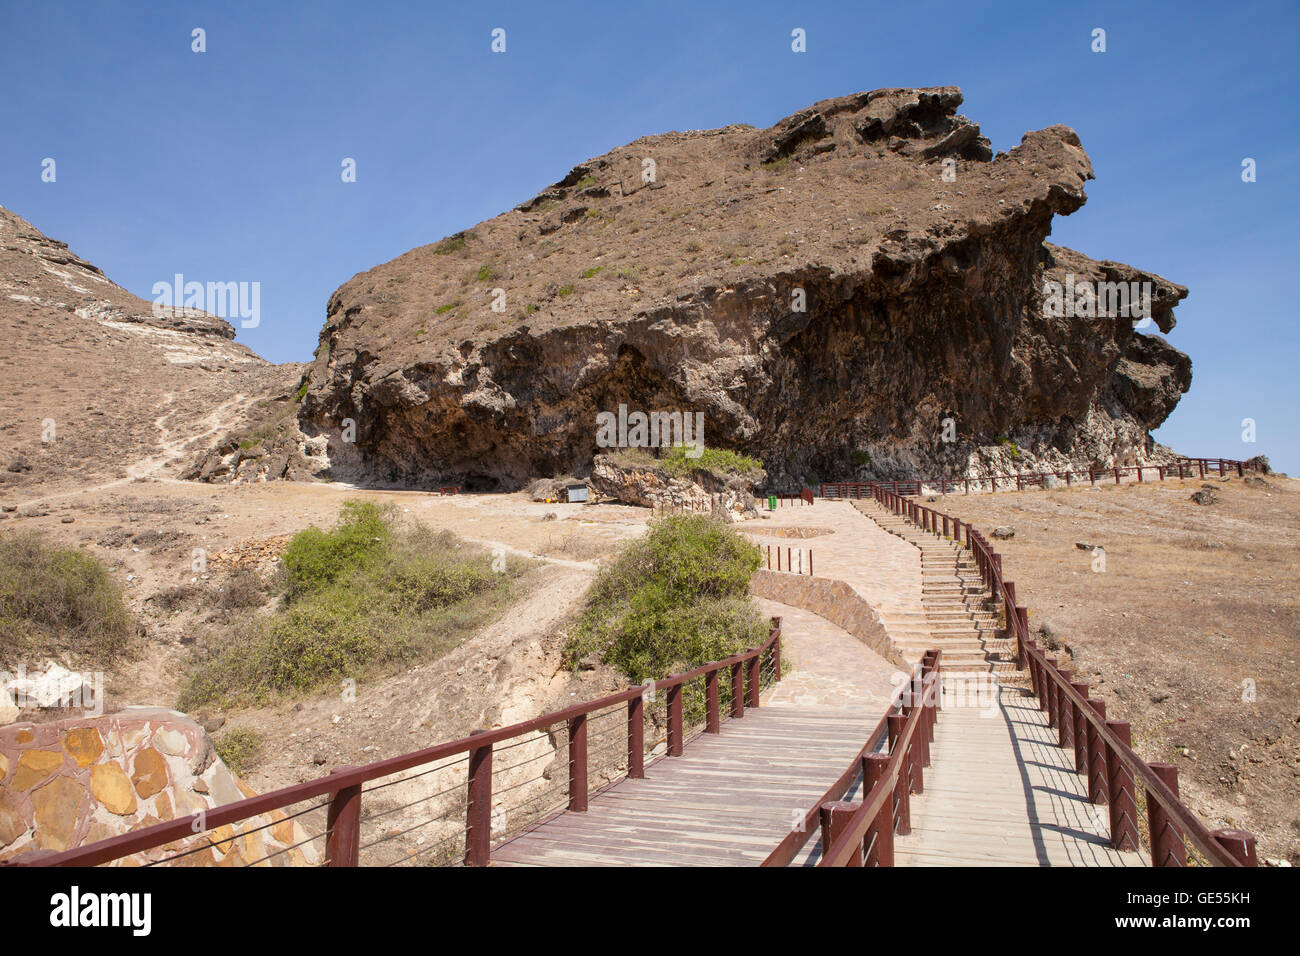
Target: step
(971, 649)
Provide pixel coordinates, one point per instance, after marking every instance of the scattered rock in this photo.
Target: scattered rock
(1205, 496)
(1004, 532)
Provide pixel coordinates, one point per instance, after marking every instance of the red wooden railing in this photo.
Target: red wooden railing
(862, 833)
(1181, 468)
(1101, 747)
(793, 556)
(343, 787)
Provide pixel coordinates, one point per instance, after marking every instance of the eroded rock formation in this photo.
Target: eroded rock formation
(837, 294)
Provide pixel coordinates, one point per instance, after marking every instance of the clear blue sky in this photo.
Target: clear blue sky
(225, 165)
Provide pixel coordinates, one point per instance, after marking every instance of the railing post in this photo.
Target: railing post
(776, 658)
(1167, 847)
(1080, 732)
(1052, 705)
(1096, 756)
(1240, 843)
(755, 681)
(737, 691)
(1123, 801)
(903, 785)
(343, 825)
(1065, 717)
(636, 737)
(578, 763)
(880, 834)
(835, 818)
(478, 808)
(1022, 618)
(675, 721)
(713, 722)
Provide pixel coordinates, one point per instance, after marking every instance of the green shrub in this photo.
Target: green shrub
(366, 597)
(59, 599)
(719, 460)
(675, 599)
(316, 558)
(1008, 444)
(592, 272)
(239, 749)
(861, 458)
(448, 246)
(486, 274)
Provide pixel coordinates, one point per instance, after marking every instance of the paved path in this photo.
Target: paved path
(884, 569)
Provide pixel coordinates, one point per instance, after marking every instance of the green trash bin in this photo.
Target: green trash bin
(771, 502)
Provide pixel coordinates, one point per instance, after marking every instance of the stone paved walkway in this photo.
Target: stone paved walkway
(884, 569)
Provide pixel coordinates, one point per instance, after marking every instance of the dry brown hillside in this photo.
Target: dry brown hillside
(96, 387)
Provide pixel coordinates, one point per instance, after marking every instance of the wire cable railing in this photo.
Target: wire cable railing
(450, 803)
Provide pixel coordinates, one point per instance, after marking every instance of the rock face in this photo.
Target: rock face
(861, 290)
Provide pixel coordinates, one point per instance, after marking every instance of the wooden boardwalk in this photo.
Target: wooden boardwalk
(727, 802)
(999, 791)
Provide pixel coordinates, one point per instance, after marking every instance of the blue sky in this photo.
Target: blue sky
(225, 165)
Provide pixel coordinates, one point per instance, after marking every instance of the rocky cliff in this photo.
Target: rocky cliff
(861, 290)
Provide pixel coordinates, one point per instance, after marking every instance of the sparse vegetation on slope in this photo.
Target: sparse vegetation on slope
(718, 460)
(367, 596)
(239, 749)
(55, 600)
(677, 598)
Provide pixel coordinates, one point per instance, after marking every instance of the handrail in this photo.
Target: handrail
(1102, 747)
(342, 784)
(1181, 467)
(798, 837)
(847, 837)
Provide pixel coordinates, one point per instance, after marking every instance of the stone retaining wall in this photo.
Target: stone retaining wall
(833, 600)
(74, 782)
